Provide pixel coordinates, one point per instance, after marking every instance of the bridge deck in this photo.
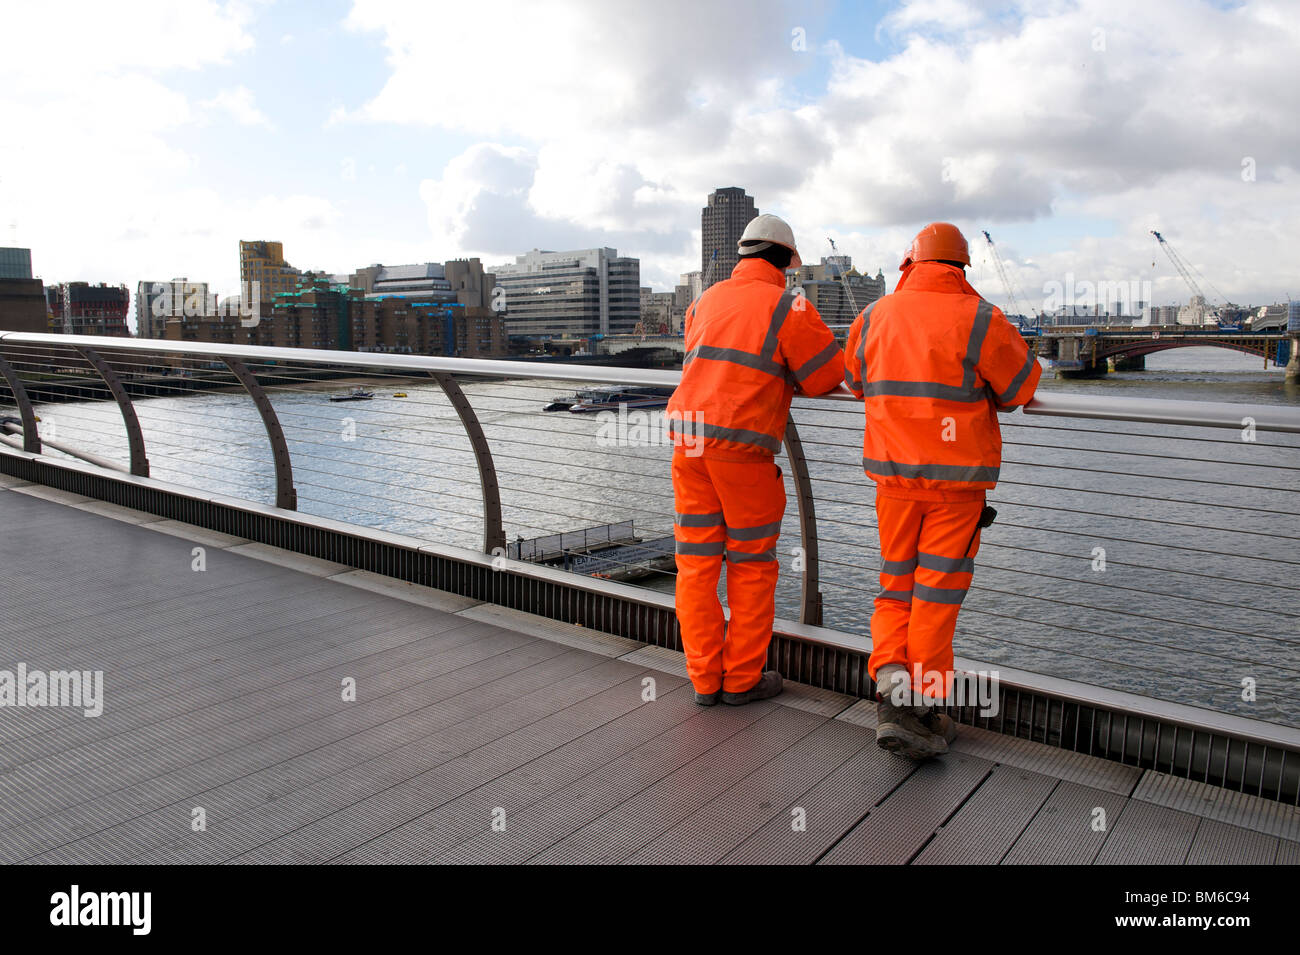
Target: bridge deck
(223, 695)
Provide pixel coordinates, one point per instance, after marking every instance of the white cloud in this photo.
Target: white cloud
(618, 121)
(239, 105)
(607, 124)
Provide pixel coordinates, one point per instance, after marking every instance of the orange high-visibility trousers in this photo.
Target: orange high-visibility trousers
(731, 510)
(927, 559)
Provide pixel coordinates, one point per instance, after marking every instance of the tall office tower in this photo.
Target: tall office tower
(570, 294)
(722, 222)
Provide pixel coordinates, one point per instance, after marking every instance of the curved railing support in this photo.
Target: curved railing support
(810, 604)
(134, 436)
(285, 495)
(31, 437)
(494, 534)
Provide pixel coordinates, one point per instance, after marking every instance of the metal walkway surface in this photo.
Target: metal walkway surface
(480, 734)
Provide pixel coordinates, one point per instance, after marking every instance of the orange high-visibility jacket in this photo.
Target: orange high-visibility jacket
(749, 341)
(934, 363)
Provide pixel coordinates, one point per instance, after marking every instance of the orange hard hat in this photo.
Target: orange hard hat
(938, 241)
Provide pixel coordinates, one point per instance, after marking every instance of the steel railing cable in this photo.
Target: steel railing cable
(1090, 513)
(977, 585)
(982, 565)
(1110, 636)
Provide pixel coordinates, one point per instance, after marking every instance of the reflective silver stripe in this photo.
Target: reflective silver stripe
(939, 595)
(1018, 381)
(753, 438)
(947, 565)
(850, 381)
(817, 362)
(700, 520)
(898, 568)
(922, 389)
(736, 356)
(903, 595)
(862, 342)
(705, 549)
(978, 330)
(754, 533)
(741, 556)
(937, 472)
(778, 319)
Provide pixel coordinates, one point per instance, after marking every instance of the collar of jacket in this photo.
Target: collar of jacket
(758, 270)
(935, 277)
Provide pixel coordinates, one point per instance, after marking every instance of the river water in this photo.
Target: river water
(1155, 559)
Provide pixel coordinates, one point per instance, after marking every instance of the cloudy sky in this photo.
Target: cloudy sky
(143, 138)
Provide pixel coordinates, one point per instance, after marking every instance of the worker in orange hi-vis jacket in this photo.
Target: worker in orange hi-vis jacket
(749, 342)
(934, 363)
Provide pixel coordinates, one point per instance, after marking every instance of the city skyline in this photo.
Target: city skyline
(328, 133)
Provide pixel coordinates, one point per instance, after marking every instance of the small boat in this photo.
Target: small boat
(399, 394)
(356, 394)
(614, 397)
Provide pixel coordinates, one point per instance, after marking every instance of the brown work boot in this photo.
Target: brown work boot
(937, 722)
(900, 730)
(769, 685)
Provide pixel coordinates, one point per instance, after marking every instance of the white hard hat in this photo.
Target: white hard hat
(764, 231)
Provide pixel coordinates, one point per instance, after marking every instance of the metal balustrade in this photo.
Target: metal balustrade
(1135, 592)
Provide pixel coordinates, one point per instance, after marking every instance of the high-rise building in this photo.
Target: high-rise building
(22, 298)
(79, 308)
(570, 294)
(722, 222)
(15, 263)
(837, 290)
(263, 262)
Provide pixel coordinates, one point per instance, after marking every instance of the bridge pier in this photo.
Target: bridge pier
(1293, 366)
(1095, 370)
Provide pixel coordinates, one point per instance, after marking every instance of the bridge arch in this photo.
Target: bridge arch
(1133, 349)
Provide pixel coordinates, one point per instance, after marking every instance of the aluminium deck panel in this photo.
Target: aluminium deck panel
(832, 807)
(1218, 843)
(1066, 830)
(768, 793)
(536, 828)
(899, 828)
(991, 820)
(645, 816)
(1147, 834)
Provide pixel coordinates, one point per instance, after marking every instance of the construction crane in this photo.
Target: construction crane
(1006, 279)
(844, 280)
(1185, 269)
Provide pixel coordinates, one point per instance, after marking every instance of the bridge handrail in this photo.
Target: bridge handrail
(1097, 407)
